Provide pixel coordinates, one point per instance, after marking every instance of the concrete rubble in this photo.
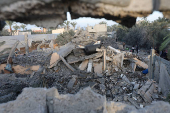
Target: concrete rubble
(106, 71)
(42, 100)
(54, 13)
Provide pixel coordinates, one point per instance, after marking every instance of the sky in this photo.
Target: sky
(84, 21)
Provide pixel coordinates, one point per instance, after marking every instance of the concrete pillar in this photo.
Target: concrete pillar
(151, 64)
(26, 43)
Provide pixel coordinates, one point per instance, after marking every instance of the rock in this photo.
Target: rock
(102, 87)
(125, 78)
(125, 97)
(71, 82)
(101, 80)
(136, 86)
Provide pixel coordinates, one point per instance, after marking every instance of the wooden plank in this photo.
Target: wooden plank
(12, 50)
(68, 65)
(104, 59)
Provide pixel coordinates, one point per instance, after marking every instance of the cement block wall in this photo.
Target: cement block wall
(162, 74)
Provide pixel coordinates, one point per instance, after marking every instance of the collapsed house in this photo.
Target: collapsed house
(111, 74)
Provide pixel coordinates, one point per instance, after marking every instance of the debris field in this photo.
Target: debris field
(83, 62)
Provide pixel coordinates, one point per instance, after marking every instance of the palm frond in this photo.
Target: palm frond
(165, 43)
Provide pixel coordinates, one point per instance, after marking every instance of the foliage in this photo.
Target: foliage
(23, 26)
(64, 38)
(103, 22)
(74, 24)
(67, 24)
(146, 34)
(10, 23)
(165, 42)
(112, 28)
(16, 27)
(4, 32)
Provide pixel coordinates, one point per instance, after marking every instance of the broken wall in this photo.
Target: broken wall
(161, 69)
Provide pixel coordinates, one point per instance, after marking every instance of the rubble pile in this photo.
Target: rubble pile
(42, 100)
(87, 62)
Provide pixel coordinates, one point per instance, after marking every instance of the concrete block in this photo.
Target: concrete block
(90, 65)
(98, 67)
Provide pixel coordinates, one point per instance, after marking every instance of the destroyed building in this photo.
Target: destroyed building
(86, 74)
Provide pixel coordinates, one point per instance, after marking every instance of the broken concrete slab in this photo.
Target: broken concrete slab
(118, 59)
(133, 103)
(64, 51)
(78, 52)
(83, 65)
(73, 59)
(147, 90)
(115, 50)
(98, 67)
(140, 63)
(54, 58)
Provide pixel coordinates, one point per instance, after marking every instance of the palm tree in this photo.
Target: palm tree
(103, 22)
(23, 26)
(74, 24)
(16, 27)
(10, 23)
(165, 44)
(67, 23)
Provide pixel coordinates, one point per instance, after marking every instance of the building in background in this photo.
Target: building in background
(58, 31)
(98, 29)
(37, 29)
(44, 30)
